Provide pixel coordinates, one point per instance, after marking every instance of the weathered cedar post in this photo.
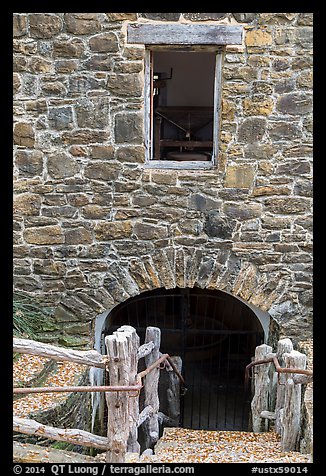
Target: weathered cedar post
(173, 390)
(151, 386)
(259, 402)
(122, 371)
(283, 346)
(292, 402)
(133, 340)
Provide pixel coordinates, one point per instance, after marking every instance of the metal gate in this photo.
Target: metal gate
(215, 334)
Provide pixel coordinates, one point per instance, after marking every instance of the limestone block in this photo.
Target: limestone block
(203, 16)
(125, 84)
(60, 118)
(84, 136)
(258, 107)
(161, 16)
(131, 154)
(239, 176)
(149, 231)
(113, 230)
(104, 43)
(242, 211)
(68, 48)
(76, 236)
(102, 171)
(102, 152)
(121, 16)
(260, 151)
(305, 19)
(60, 165)
(271, 190)
(284, 130)
(128, 128)
(45, 235)
(27, 204)
(218, 226)
(29, 162)
(305, 79)
(66, 66)
(24, 134)
(92, 114)
(16, 83)
(19, 25)
(252, 129)
(44, 25)
(294, 103)
(288, 205)
(258, 37)
(304, 37)
(39, 65)
(245, 17)
(82, 23)
(95, 211)
(202, 203)
(53, 88)
(99, 62)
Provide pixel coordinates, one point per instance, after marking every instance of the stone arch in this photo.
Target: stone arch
(170, 267)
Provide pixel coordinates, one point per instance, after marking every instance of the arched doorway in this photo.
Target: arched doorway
(215, 334)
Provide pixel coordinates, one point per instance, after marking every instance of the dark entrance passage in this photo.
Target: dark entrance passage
(215, 334)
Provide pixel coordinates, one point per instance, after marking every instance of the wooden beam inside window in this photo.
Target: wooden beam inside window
(184, 34)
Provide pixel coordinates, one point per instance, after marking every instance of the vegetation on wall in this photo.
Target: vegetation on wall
(28, 317)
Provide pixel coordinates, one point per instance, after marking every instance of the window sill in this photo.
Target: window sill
(171, 164)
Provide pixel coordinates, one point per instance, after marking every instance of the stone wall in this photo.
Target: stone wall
(93, 227)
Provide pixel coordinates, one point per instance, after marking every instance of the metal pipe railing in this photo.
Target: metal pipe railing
(101, 388)
(278, 368)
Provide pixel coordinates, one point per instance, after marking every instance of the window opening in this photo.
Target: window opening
(183, 106)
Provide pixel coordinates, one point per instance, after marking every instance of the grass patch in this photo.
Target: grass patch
(28, 317)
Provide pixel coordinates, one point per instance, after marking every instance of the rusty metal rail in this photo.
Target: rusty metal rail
(278, 368)
(102, 388)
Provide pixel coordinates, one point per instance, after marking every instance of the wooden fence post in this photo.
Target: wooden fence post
(133, 340)
(259, 402)
(151, 386)
(173, 390)
(283, 346)
(120, 356)
(291, 416)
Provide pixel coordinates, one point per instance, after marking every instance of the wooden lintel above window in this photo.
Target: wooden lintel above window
(184, 34)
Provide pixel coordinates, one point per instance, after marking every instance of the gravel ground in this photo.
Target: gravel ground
(179, 445)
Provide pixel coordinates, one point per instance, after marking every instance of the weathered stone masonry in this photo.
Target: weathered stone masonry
(93, 226)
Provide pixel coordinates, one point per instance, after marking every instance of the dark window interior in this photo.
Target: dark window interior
(183, 105)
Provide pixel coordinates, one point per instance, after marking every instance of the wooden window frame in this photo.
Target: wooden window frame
(183, 37)
(148, 106)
